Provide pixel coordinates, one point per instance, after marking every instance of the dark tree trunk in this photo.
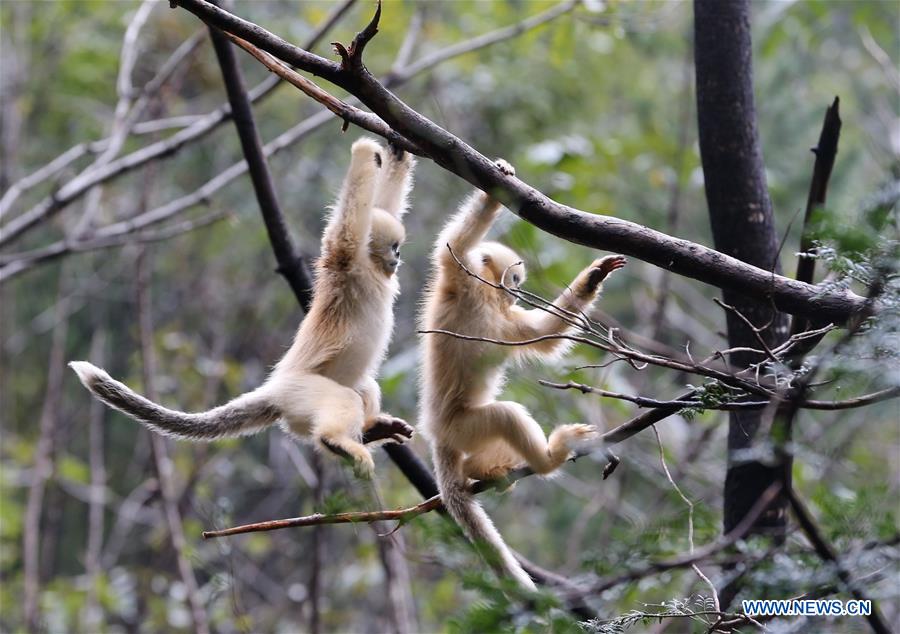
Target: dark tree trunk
(740, 213)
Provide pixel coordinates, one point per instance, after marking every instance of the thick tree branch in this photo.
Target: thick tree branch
(290, 263)
(602, 232)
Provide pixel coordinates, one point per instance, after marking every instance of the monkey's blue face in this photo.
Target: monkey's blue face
(385, 241)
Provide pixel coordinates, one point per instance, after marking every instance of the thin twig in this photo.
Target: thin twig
(317, 519)
(851, 403)
(690, 505)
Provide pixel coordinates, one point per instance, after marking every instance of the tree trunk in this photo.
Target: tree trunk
(740, 213)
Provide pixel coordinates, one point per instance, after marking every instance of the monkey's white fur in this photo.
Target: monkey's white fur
(324, 387)
(474, 436)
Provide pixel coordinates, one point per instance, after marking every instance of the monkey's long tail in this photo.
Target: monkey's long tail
(246, 414)
(476, 524)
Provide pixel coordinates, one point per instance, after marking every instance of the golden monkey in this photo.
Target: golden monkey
(324, 386)
(474, 436)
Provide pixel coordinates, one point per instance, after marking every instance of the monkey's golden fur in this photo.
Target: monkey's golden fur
(324, 386)
(474, 436)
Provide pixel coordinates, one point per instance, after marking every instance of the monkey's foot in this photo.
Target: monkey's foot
(505, 167)
(352, 452)
(367, 151)
(570, 435)
(364, 467)
(387, 427)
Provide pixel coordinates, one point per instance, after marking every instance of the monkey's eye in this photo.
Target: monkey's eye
(516, 279)
(395, 247)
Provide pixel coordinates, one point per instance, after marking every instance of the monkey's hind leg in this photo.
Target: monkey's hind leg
(380, 426)
(336, 413)
(511, 423)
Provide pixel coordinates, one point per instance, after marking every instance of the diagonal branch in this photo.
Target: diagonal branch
(593, 230)
(350, 114)
(290, 263)
(433, 503)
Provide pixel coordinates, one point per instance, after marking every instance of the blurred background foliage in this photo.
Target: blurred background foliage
(597, 110)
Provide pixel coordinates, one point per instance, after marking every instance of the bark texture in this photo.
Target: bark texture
(743, 225)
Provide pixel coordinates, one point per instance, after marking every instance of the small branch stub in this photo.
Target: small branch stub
(351, 57)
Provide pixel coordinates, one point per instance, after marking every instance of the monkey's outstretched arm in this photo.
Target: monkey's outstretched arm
(469, 226)
(347, 234)
(467, 229)
(395, 182)
(531, 324)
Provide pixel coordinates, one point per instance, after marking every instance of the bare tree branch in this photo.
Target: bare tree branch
(107, 241)
(13, 264)
(826, 152)
(602, 232)
(42, 468)
(400, 515)
(291, 264)
(641, 401)
(91, 619)
(343, 110)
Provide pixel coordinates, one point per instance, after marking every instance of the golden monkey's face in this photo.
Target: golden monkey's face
(385, 241)
(501, 265)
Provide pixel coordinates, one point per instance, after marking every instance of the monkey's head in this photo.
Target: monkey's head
(385, 241)
(500, 264)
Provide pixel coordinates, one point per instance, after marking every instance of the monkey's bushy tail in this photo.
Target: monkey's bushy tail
(476, 524)
(246, 414)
